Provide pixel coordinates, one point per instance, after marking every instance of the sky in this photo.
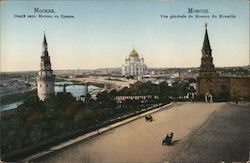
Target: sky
(103, 33)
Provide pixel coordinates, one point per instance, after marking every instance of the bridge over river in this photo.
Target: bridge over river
(203, 132)
(117, 84)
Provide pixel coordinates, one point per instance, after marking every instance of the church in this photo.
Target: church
(215, 87)
(134, 65)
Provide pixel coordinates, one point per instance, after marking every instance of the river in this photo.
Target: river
(75, 90)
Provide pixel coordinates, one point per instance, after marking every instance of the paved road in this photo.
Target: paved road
(224, 136)
(140, 141)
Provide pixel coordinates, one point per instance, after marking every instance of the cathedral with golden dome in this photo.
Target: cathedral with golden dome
(134, 65)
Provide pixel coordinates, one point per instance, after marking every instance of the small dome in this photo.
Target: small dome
(133, 54)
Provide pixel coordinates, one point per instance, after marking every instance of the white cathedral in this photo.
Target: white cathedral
(45, 78)
(134, 65)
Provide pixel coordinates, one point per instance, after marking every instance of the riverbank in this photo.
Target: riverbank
(12, 100)
(15, 97)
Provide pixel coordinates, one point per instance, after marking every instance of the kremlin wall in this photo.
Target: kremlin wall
(210, 83)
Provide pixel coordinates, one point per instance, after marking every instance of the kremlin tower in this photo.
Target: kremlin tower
(207, 67)
(45, 78)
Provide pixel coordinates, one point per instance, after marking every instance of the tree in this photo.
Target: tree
(87, 98)
(85, 117)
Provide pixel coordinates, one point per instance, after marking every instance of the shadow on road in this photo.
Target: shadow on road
(174, 142)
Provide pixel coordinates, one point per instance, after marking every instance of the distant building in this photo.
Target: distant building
(211, 85)
(45, 78)
(134, 65)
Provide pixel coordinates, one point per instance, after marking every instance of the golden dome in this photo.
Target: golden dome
(133, 54)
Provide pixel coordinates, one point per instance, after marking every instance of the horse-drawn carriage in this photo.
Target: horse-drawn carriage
(168, 139)
(148, 118)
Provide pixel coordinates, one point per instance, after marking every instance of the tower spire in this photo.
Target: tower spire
(45, 45)
(207, 67)
(206, 45)
(44, 39)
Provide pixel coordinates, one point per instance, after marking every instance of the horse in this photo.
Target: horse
(168, 139)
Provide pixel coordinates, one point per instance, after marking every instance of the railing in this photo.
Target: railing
(10, 112)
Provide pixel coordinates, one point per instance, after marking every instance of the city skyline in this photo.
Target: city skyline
(103, 33)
